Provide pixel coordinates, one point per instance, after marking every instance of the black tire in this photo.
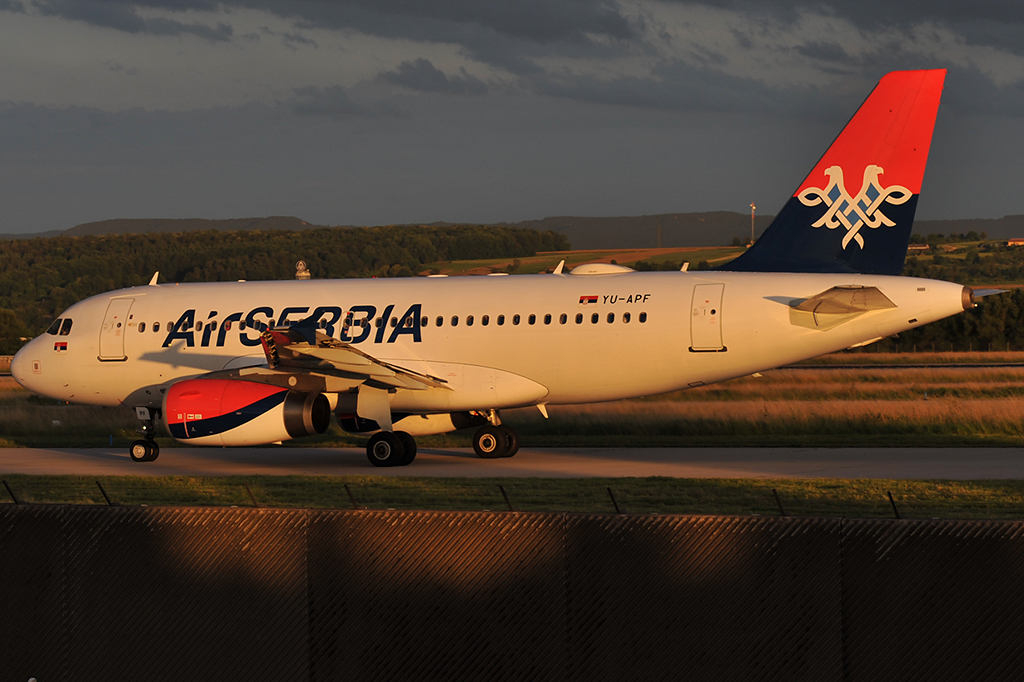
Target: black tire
(408, 448)
(140, 451)
(154, 450)
(384, 449)
(511, 440)
(489, 442)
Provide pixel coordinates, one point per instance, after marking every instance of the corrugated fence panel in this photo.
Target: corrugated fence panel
(716, 598)
(933, 600)
(428, 595)
(32, 642)
(185, 594)
(97, 593)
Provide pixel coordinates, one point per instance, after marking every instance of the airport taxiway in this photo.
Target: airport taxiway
(905, 463)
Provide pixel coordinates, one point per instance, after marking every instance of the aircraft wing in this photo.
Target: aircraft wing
(306, 350)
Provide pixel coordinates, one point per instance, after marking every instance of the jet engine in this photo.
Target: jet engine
(232, 412)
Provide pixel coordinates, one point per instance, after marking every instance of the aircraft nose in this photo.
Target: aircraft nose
(21, 368)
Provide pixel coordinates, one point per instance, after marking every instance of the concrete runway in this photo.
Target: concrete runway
(913, 463)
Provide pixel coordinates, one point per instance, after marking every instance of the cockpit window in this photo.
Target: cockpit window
(54, 327)
(65, 328)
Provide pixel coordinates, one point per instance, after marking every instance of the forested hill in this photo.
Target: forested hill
(41, 277)
(140, 226)
(712, 228)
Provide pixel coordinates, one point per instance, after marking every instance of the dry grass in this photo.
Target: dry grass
(860, 405)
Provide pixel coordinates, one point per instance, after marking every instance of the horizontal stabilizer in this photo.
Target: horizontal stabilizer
(846, 300)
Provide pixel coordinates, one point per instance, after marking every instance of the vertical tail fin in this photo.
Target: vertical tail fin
(829, 225)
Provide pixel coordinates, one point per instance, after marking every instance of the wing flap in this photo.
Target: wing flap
(291, 349)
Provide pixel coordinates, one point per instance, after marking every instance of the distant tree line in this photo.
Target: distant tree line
(41, 277)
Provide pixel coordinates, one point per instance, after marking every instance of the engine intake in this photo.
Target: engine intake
(232, 412)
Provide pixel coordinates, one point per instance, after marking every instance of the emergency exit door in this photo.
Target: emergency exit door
(706, 318)
(115, 324)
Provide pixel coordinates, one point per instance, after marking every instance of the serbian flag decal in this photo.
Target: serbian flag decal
(587, 301)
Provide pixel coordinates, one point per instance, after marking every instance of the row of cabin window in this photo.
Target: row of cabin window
(438, 322)
(531, 319)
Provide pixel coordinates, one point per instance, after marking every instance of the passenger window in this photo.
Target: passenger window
(594, 318)
(485, 320)
(227, 326)
(270, 325)
(531, 319)
(455, 320)
(469, 320)
(501, 320)
(142, 327)
(439, 321)
(547, 319)
(212, 325)
(423, 321)
(54, 328)
(241, 325)
(579, 318)
(378, 322)
(562, 318)
(199, 326)
(65, 328)
(394, 322)
(515, 319)
(156, 326)
(643, 317)
(611, 317)
(625, 317)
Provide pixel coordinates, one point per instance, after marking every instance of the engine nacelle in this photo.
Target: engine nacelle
(414, 424)
(231, 412)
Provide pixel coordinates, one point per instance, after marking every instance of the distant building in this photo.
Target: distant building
(917, 248)
(1015, 242)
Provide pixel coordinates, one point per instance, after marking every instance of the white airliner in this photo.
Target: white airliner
(245, 363)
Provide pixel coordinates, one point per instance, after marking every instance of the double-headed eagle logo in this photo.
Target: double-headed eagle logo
(853, 213)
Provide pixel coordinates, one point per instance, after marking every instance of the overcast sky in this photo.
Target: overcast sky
(372, 112)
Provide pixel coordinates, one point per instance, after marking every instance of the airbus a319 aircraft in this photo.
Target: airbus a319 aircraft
(246, 363)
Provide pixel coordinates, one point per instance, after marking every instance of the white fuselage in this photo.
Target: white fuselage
(684, 329)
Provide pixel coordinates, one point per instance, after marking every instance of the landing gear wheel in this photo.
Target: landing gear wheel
(385, 449)
(511, 440)
(144, 451)
(408, 448)
(490, 442)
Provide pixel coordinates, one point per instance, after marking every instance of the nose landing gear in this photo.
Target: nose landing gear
(145, 450)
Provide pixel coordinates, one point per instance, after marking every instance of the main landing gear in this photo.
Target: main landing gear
(495, 440)
(391, 449)
(146, 449)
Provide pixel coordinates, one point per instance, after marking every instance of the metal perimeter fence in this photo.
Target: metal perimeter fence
(134, 593)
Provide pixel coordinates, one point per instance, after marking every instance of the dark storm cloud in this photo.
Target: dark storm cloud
(289, 40)
(566, 21)
(12, 6)
(339, 103)
(824, 51)
(995, 23)
(123, 17)
(423, 76)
